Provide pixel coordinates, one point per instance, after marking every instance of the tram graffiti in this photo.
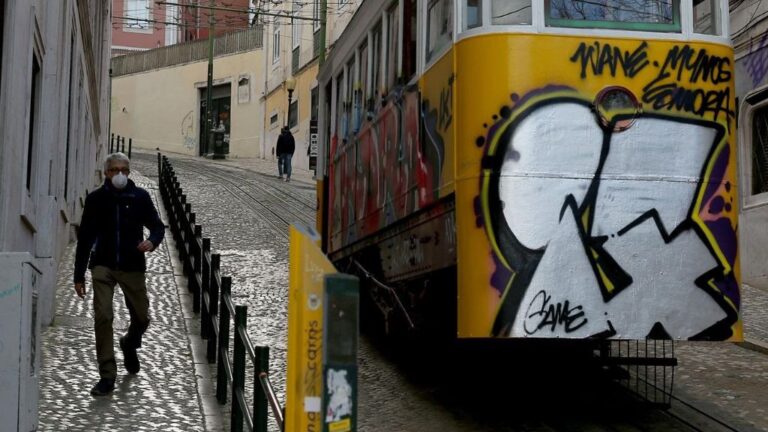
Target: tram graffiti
(385, 171)
(620, 213)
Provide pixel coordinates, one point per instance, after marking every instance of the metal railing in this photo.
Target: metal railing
(114, 144)
(188, 52)
(212, 300)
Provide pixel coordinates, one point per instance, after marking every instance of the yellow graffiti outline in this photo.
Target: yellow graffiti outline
(698, 207)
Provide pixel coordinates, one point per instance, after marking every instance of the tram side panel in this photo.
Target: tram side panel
(570, 226)
(391, 178)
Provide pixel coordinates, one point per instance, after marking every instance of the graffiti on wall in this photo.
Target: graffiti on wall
(188, 131)
(600, 231)
(757, 61)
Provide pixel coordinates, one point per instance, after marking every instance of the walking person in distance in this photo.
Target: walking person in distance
(286, 146)
(111, 237)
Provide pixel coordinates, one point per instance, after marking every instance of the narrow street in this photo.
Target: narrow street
(245, 210)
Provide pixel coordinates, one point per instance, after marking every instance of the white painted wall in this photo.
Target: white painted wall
(37, 221)
(160, 108)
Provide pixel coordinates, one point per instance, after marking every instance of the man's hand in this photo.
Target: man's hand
(146, 246)
(80, 289)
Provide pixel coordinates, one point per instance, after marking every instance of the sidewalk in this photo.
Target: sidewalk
(172, 392)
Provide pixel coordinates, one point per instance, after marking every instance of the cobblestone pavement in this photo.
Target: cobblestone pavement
(162, 396)
(443, 396)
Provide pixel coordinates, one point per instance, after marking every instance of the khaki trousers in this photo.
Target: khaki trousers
(134, 289)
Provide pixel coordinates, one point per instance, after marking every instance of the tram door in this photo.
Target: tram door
(220, 111)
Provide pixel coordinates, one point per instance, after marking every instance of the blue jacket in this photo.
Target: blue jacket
(114, 221)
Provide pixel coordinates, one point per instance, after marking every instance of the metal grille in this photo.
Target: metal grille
(644, 367)
(760, 151)
(188, 52)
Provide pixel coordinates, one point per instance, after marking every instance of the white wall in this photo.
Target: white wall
(38, 220)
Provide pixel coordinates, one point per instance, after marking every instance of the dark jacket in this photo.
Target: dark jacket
(285, 144)
(114, 220)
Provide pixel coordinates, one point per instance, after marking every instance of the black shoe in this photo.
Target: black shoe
(130, 358)
(103, 387)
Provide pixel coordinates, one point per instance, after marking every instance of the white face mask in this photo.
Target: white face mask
(119, 181)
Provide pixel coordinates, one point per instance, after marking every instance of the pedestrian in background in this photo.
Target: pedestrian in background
(111, 237)
(286, 146)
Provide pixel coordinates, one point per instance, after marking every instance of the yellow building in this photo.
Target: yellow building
(291, 60)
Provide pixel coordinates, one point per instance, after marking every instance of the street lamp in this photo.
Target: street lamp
(290, 85)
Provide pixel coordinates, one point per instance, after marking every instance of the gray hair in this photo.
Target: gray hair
(116, 157)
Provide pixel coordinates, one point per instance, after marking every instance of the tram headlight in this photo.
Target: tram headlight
(617, 108)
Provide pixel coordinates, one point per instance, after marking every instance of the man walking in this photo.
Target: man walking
(286, 146)
(113, 224)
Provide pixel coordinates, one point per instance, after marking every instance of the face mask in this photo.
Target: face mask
(119, 181)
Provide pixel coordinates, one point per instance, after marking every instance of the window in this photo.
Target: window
(377, 65)
(393, 24)
(316, 15)
(349, 95)
(760, 151)
(296, 26)
(439, 26)
(507, 12)
(410, 11)
(473, 14)
(293, 114)
(276, 44)
(706, 17)
(644, 15)
(273, 120)
(69, 113)
(140, 11)
(364, 71)
(34, 105)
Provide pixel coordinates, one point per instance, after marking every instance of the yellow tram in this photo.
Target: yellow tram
(536, 168)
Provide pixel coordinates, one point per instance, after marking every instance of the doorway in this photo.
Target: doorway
(220, 111)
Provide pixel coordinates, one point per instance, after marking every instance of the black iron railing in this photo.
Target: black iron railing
(115, 142)
(212, 300)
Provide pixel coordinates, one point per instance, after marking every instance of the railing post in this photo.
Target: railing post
(197, 261)
(260, 408)
(123, 149)
(238, 372)
(213, 298)
(130, 144)
(221, 372)
(111, 143)
(159, 165)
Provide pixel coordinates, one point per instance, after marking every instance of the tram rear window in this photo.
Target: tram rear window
(642, 15)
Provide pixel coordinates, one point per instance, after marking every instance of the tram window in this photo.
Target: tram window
(377, 65)
(760, 151)
(643, 15)
(349, 96)
(364, 71)
(473, 14)
(506, 12)
(439, 26)
(410, 10)
(393, 23)
(706, 17)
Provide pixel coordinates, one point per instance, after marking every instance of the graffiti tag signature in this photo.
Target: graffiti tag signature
(541, 313)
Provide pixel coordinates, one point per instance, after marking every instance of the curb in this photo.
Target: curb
(754, 345)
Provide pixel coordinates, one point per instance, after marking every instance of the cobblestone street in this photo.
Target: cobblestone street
(245, 210)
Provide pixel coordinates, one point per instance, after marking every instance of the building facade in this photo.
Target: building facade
(163, 105)
(291, 59)
(749, 32)
(140, 25)
(54, 120)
